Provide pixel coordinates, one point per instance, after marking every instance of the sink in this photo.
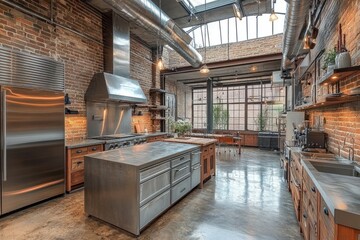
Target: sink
(336, 168)
(317, 155)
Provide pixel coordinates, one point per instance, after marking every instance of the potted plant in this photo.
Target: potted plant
(181, 127)
(329, 60)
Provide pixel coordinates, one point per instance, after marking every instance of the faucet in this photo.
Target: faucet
(351, 151)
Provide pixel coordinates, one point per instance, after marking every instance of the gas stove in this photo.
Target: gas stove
(121, 140)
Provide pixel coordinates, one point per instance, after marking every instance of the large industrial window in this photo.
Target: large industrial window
(253, 107)
(199, 109)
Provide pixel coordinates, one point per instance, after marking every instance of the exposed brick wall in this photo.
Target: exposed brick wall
(344, 118)
(249, 48)
(81, 56)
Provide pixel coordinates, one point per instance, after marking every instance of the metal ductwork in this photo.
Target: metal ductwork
(294, 30)
(146, 14)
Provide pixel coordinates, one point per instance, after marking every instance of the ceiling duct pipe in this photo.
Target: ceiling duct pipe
(294, 30)
(146, 14)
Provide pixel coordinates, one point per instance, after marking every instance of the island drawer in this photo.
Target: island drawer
(180, 172)
(153, 208)
(153, 187)
(180, 159)
(154, 171)
(180, 190)
(195, 175)
(195, 157)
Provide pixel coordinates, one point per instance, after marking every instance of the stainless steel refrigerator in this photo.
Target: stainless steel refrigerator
(32, 146)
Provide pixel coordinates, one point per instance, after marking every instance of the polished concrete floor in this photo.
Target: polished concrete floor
(246, 200)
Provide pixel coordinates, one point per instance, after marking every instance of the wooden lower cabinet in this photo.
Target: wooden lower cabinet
(208, 162)
(326, 222)
(309, 222)
(75, 165)
(316, 220)
(155, 138)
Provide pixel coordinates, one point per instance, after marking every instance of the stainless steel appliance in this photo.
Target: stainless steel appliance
(315, 139)
(110, 93)
(121, 140)
(32, 146)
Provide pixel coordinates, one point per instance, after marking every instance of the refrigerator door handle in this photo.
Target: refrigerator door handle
(4, 134)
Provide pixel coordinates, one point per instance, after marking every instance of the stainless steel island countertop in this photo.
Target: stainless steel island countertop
(144, 155)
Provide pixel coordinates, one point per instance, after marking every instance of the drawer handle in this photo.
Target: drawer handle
(326, 211)
(313, 189)
(78, 163)
(304, 216)
(181, 169)
(197, 167)
(94, 149)
(182, 190)
(79, 151)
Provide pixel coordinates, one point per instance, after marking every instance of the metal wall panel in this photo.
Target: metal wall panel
(27, 70)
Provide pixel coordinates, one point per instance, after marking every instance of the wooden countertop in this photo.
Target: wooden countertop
(192, 140)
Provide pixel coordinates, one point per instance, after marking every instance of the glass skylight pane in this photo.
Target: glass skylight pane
(232, 30)
(264, 26)
(279, 24)
(224, 31)
(280, 6)
(198, 38)
(205, 35)
(251, 27)
(214, 33)
(241, 29)
(196, 3)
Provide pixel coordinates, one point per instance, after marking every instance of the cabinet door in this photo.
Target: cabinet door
(326, 222)
(212, 164)
(206, 166)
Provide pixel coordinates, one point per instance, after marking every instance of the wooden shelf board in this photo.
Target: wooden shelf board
(159, 118)
(157, 90)
(158, 108)
(338, 74)
(329, 101)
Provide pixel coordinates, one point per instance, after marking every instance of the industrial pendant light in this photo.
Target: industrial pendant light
(273, 16)
(204, 69)
(159, 49)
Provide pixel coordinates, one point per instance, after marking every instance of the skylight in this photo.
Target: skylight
(197, 3)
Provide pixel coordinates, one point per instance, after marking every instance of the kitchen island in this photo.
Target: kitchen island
(208, 158)
(130, 187)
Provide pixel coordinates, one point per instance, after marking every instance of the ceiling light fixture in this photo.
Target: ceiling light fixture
(159, 47)
(273, 17)
(160, 64)
(237, 12)
(204, 69)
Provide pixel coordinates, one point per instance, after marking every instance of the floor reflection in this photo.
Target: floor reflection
(246, 200)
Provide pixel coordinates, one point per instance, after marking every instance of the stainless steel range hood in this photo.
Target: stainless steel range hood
(115, 84)
(106, 87)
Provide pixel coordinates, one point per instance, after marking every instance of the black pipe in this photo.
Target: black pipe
(209, 102)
